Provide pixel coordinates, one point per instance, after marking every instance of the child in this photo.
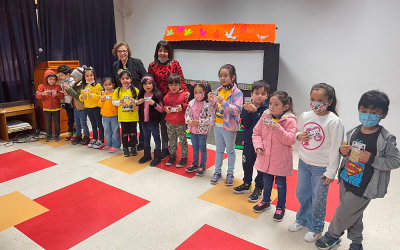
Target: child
(110, 117)
(227, 106)
(199, 117)
(90, 96)
(65, 79)
(321, 134)
(175, 105)
(273, 137)
(79, 107)
(365, 171)
(150, 115)
(250, 115)
(50, 93)
(124, 97)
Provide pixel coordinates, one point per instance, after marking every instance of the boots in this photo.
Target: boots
(146, 157)
(157, 158)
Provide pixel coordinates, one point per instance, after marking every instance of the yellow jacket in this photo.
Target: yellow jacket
(107, 108)
(94, 100)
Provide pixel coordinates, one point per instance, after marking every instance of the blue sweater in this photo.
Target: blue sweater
(249, 120)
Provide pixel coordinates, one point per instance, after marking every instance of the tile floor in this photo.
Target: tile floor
(93, 205)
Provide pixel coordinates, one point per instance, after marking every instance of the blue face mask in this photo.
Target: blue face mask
(161, 61)
(369, 120)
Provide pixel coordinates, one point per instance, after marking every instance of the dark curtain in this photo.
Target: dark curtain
(19, 42)
(78, 30)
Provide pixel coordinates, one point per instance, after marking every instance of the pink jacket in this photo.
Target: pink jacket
(277, 158)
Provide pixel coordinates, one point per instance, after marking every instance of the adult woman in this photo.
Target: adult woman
(135, 67)
(163, 66)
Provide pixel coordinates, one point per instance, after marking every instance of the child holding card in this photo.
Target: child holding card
(273, 137)
(364, 174)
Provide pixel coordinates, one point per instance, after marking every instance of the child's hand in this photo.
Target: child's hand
(249, 107)
(83, 96)
(187, 95)
(90, 95)
(133, 101)
(304, 137)
(66, 86)
(259, 151)
(151, 102)
(122, 100)
(103, 98)
(220, 99)
(345, 149)
(180, 108)
(168, 110)
(274, 125)
(211, 97)
(45, 93)
(54, 93)
(140, 101)
(64, 92)
(190, 123)
(364, 156)
(327, 180)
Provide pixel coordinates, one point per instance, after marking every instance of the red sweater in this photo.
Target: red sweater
(50, 102)
(173, 100)
(161, 72)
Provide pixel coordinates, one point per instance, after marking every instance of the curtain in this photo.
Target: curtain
(78, 30)
(19, 42)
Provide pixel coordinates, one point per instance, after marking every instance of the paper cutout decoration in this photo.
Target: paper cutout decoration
(235, 32)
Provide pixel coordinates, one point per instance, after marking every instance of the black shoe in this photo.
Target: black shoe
(327, 242)
(243, 189)
(164, 153)
(171, 161)
(200, 171)
(48, 138)
(126, 152)
(157, 158)
(356, 246)
(260, 207)
(140, 146)
(85, 140)
(146, 157)
(77, 140)
(133, 151)
(182, 163)
(279, 213)
(193, 167)
(256, 195)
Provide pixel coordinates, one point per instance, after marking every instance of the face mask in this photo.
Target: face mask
(127, 87)
(199, 97)
(227, 87)
(161, 61)
(318, 107)
(369, 120)
(279, 115)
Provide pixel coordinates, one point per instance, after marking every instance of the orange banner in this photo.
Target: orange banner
(236, 32)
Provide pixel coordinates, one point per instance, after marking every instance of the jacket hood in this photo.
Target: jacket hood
(286, 115)
(46, 74)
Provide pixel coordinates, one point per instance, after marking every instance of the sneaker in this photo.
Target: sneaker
(356, 246)
(57, 138)
(217, 177)
(295, 227)
(91, 143)
(113, 150)
(256, 195)
(140, 146)
(201, 171)
(98, 144)
(193, 167)
(327, 242)
(229, 180)
(85, 140)
(262, 206)
(164, 153)
(69, 137)
(311, 236)
(171, 161)
(242, 189)
(182, 163)
(48, 138)
(279, 213)
(77, 140)
(133, 151)
(126, 152)
(106, 148)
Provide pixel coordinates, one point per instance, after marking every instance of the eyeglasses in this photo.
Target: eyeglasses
(122, 51)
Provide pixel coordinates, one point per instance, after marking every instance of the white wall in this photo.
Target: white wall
(352, 45)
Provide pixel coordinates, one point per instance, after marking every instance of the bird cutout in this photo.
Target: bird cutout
(243, 29)
(262, 37)
(188, 32)
(181, 28)
(203, 32)
(170, 32)
(216, 34)
(229, 35)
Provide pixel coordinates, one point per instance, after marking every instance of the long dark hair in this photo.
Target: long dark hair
(206, 88)
(132, 88)
(166, 46)
(84, 83)
(232, 72)
(156, 93)
(330, 92)
(285, 99)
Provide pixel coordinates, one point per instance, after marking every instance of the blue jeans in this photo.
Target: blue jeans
(80, 122)
(149, 129)
(224, 139)
(199, 143)
(280, 182)
(111, 131)
(311, 193)
(95, 120)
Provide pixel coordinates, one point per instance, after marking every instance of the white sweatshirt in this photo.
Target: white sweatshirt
(323, 148)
